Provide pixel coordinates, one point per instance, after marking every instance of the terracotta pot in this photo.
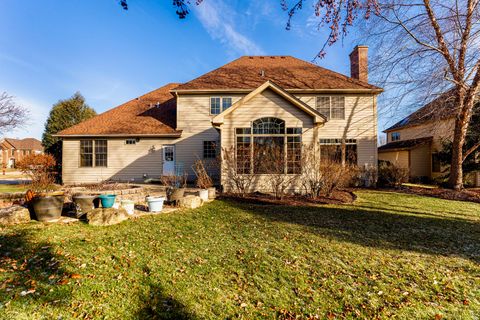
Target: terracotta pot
(47, 208)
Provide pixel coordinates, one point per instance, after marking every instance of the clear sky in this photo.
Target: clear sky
(50, 49)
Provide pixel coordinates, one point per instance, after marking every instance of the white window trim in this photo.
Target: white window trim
(221, 104)
(330, 105)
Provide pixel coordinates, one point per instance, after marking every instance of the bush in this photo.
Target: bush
(39, 168)
(391, 175)
(323, 177)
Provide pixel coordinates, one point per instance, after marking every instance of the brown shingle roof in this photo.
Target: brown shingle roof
(250, 72)
(405, 144)
(25, 144)
(151, 114)
(440, 108)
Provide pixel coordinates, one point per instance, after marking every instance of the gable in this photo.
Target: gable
(275, 100)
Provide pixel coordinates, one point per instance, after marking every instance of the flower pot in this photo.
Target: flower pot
(203, 194)
(107, 200)
(47, 207)
(155, 204)
(83, 204)
(212, 193)
(175, 194)
(129, 206)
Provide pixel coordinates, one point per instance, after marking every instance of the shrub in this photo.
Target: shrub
(39, 168)
(239, 179)
(323, 177)
(391, 175)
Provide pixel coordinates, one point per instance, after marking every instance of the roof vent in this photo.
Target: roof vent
(157, 104)
(262, 73)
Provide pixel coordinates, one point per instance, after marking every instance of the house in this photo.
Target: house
(414, 142)
(12, 150)
(247, 103)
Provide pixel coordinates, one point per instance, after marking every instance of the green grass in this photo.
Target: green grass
(9, 188)
(387, 256)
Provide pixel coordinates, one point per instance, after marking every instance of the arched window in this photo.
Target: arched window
(268, 126)
(268, 147)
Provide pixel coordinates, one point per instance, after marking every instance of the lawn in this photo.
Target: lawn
(388, 255)
(9, 188)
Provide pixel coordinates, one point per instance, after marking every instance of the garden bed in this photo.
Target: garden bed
(470, 195)
(337, 197)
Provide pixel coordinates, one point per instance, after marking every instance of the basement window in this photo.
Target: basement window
(131, 141)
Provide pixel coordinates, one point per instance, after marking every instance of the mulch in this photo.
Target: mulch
(337, 197)
(470, 195)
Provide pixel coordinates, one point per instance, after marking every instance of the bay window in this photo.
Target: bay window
(268, 147)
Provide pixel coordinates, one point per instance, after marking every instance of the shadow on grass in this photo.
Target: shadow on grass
(156, 304)
(31, 271)
(381, 228)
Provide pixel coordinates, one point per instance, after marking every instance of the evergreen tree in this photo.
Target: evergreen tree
(64, 114)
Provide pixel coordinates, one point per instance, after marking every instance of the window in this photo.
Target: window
(436, 167)
(268, 147)
(331, 150)
(331, 107)
(86, 153)
(209, 149)
(100, 153)
(131, 141)
(395, 136)
(219, 104)
(93, 153)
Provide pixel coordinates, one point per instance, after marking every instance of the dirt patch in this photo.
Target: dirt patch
(338, 197)
(471, 195)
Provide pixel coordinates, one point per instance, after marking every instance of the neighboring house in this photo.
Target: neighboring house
(13, 150)
(247, 103)
(415, 141)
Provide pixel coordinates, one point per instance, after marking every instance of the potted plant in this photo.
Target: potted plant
(204, 181)
(46, 201)
(176, 185)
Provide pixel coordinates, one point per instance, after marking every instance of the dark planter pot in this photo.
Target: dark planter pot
(83, 204)
(175, 194)
(47, 208)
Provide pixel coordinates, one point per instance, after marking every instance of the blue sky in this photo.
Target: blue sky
(52, 48)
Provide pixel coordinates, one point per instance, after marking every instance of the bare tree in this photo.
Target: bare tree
(11, 114)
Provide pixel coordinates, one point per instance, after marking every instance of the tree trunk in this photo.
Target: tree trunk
(456, 171)
(459, 134)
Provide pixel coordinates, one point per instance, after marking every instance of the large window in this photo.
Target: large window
(331, 107)
(93, 153)
(336, 149)
(219, 104)
(268, 147)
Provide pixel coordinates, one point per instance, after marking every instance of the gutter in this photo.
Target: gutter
(160, 135)
(197, 91)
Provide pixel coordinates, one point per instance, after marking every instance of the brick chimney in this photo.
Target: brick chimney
(359, 63)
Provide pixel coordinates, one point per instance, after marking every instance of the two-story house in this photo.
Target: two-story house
(244, 104)
(13, 150)
(414, 142)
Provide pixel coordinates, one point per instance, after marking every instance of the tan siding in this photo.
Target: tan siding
(125, 162)
(398, 158)
(360, 123)
(438, 130)
(420, 161)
